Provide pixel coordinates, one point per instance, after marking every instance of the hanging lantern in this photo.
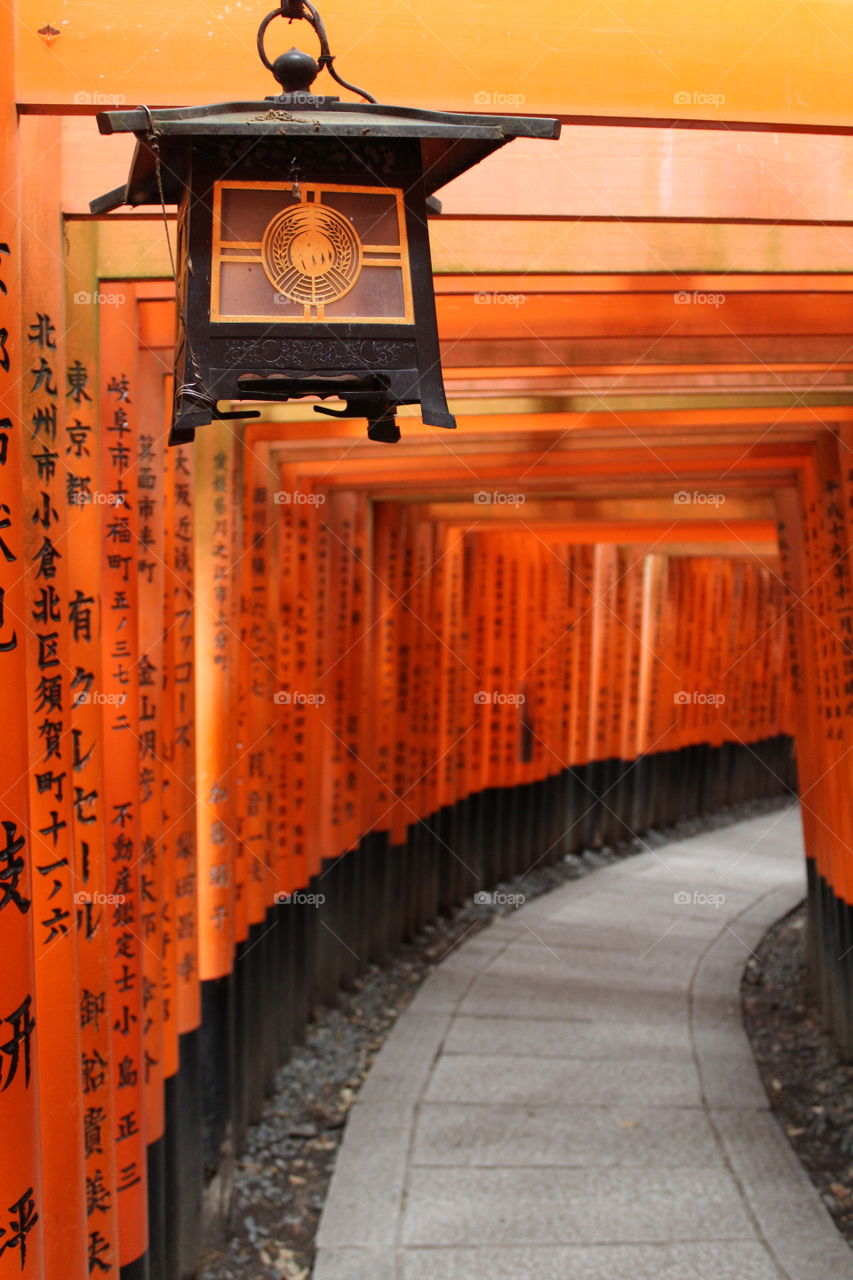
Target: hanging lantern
(303, 262)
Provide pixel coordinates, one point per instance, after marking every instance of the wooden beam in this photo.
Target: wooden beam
(722, 62)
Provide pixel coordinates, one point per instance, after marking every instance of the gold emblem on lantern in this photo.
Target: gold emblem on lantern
(311, 254)
(328, 253)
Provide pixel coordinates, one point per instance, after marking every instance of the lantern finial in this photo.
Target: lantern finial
(295, 71)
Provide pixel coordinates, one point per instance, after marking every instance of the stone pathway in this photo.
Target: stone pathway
(571, 1094)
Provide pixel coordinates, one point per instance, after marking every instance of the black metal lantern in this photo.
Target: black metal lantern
(303, 264)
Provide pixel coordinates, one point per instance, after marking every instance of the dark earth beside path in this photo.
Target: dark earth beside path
(809, 1086)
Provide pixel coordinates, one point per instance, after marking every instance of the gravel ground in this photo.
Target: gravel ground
(282, 1177)
(809, 1087)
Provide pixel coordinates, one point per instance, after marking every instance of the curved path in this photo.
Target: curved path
(571, 1094)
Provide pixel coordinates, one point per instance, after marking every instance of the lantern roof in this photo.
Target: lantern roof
(450, 142)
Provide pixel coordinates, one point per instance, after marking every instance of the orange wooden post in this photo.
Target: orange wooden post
(759, 656)
(256, 755)
(791, 555)
(366, 672)
(497, 629)
(837, 589)
(399, 578)
(21, 1200)
(272, 554)
(614, 619)
(335, 584)
(514, 713)
(581, 565)
(289, 866)
(474, 678)
(838, 508)
(439, 588)
(311, 674)
(733, 650)
(154, 777)
(179, 733)
(256, 971)
(181, 986)
(653, 578)
(820, 770)
(460, 692)
(237, 710)
(633, 654)
(455, 707)
(776, 637)
(172, 784)
(499, 625)
(299, 670)
(119, 407)
(707, 573)
(359, 673)
(478, 601)
(214, 638)
(667, 681)
(159, 509)
(548, 747)
(813, 752)
(357, 909)
(468, 682)
(567, 671)
(609, 622)
(421, 783)
(51, 685)
(829, 596)
(80, 461)
(440, 874)
(503, 661)
(384, 618)
(681, 614)
(716, 606)
(582, 590)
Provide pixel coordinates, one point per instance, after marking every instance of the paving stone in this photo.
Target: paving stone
(473, 954)
(814, 1257)
(441, 992)
(495, 995)
(514, 1037)
(355, 1264)
(727, 1068)
(650, 968)
(642, 1136)
(670, 935)
(653, 913)
(571, 1206)
(402, 1066)
(363, 1204)
(541, 1081)
(789, 1211)
(723, 1261)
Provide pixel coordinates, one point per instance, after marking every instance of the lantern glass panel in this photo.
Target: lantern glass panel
(309, 252)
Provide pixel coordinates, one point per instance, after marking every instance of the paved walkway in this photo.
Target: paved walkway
(571, 1095)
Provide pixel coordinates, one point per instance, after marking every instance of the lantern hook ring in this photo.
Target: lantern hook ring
(294, 9)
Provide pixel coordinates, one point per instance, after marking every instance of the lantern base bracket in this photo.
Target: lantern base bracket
(191, 412)
(381, 423)
(437, 418)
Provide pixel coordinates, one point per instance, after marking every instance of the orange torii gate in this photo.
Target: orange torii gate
(307, 685)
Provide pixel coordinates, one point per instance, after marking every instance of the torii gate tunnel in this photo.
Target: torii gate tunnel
(275, 699)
